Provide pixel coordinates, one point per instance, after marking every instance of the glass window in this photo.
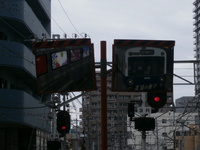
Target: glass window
(138, 66)
(164, 121)
(164, 134)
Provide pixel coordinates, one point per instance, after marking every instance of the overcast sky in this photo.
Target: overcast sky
(106, 20)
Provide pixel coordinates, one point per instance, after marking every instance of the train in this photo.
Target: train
(142, 65)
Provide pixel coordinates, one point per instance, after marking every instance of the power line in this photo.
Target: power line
(49, 13)
(57, 24)
(69, 18)
(4, 107)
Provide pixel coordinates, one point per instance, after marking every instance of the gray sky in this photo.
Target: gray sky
(106, 20)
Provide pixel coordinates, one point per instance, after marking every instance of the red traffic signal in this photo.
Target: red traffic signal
(63, 122)
(157, 99)
(63, 127)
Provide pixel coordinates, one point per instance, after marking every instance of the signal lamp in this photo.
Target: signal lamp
(63, 122)
(131, 110)
(63, 128)
(157, 99)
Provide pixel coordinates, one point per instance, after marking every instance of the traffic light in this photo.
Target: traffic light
(157, 99)
(144, 124)
(63, 122)
(131, 109)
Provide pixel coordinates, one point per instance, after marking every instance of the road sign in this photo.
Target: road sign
(144, 110)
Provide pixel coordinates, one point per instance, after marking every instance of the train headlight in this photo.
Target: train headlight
(130, 82)
(162, 79)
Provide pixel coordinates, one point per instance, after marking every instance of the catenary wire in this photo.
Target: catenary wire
(69, 18)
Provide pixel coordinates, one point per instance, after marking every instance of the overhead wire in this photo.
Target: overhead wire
(69, 19)
(5, 107)
(185, 112)
(57, 25)
(27, 38)
(49, 13)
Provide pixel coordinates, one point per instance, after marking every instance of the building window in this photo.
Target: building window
(178, 133)
(164, 134)
(164, 120)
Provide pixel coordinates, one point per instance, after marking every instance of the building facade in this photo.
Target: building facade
(173, 131)
(117, 111)
(23, 115)
(117, 105)
(186, 104)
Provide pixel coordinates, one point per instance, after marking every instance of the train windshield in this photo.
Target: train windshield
(146, 66)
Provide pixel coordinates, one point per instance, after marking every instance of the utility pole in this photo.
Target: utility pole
(157, 134)
(182, 141)
(103, 97)
(143, 132)
(64, 144)
(55, 98)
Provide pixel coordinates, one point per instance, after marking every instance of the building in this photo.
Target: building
(186, 104)
(170, 130)
(117, 105)
(117, 110)
(23, 115)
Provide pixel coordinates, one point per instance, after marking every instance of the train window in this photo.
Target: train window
(59, 59)
(138, 66)
(3, 83)
(86, 51)
(41, 64)
(75, 54)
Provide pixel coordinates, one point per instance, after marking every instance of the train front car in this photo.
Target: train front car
(145, 68)
(142, 65)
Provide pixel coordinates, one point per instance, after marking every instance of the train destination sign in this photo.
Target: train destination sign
(65, 65)
(142, 65)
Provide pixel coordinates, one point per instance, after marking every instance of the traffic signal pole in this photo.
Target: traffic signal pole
(143, 140)
(144, 97)
(65, 142)
(103, 97)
